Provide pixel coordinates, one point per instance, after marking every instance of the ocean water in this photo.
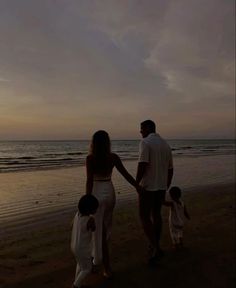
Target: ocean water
(40, 155)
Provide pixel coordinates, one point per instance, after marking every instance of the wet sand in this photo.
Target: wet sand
(45, 195)
(39, 256)
(36, 211)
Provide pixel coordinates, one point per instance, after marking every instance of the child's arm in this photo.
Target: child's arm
(91, 224)
(167, 203)
(186, 213)
(72, 222)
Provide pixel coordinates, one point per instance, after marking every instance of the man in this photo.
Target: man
(154, 173)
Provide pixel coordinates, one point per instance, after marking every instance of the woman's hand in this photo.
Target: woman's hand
(140, 189)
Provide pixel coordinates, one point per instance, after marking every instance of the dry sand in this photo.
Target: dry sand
(41, 257)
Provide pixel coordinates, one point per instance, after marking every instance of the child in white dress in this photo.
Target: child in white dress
(81, 238)
(178, 212)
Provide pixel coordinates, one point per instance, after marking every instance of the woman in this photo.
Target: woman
(100, 163)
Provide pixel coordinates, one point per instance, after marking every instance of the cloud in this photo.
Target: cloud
(4, 80)
(97, 61)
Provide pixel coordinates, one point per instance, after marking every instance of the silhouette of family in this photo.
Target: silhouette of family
(93, 222)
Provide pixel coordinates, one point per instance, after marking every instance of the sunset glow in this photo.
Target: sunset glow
(68, 68)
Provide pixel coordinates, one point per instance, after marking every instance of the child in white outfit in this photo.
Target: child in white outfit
(178, 212)
(81, 238)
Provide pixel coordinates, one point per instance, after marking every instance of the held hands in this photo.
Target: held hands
(91, 224)
(139, 189)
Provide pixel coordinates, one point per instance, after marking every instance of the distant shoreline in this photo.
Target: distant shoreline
(131, 139)
(48, 155)
(71, 166)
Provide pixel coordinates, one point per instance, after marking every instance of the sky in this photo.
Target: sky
(71, 67)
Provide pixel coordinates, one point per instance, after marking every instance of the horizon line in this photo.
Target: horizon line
(138, 139)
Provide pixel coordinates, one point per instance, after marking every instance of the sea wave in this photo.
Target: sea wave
(23, 156)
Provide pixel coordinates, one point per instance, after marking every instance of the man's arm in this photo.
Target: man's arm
(143, 161)
(170, 176)
(142, 166)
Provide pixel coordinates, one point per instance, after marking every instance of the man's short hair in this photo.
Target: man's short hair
(149, 124)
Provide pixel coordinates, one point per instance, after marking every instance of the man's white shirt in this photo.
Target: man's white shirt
(157, 153)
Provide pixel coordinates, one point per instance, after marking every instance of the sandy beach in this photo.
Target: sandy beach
(35, 236)
(150, 81)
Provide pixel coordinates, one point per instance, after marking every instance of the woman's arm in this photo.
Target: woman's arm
(89, 181)
(120, 167)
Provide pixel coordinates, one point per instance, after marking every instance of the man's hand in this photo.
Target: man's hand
(142, 167)
(140, 190)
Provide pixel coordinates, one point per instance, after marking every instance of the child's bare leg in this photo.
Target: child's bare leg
(82, 271)
(174, 237)
(81, 277)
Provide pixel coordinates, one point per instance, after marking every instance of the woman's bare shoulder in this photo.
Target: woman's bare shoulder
(115, 159)
(89, 158)
(114, 156)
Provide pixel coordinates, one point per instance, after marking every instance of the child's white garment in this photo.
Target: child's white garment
(176, 221)
(81, 246)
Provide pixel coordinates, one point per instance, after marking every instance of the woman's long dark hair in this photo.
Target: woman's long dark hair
(100, 149)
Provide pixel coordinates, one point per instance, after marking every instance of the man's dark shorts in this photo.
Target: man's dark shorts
(150, 202)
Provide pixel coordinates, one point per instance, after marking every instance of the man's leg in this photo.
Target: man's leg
(145, 216)
(174, 236)
(158, 198)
